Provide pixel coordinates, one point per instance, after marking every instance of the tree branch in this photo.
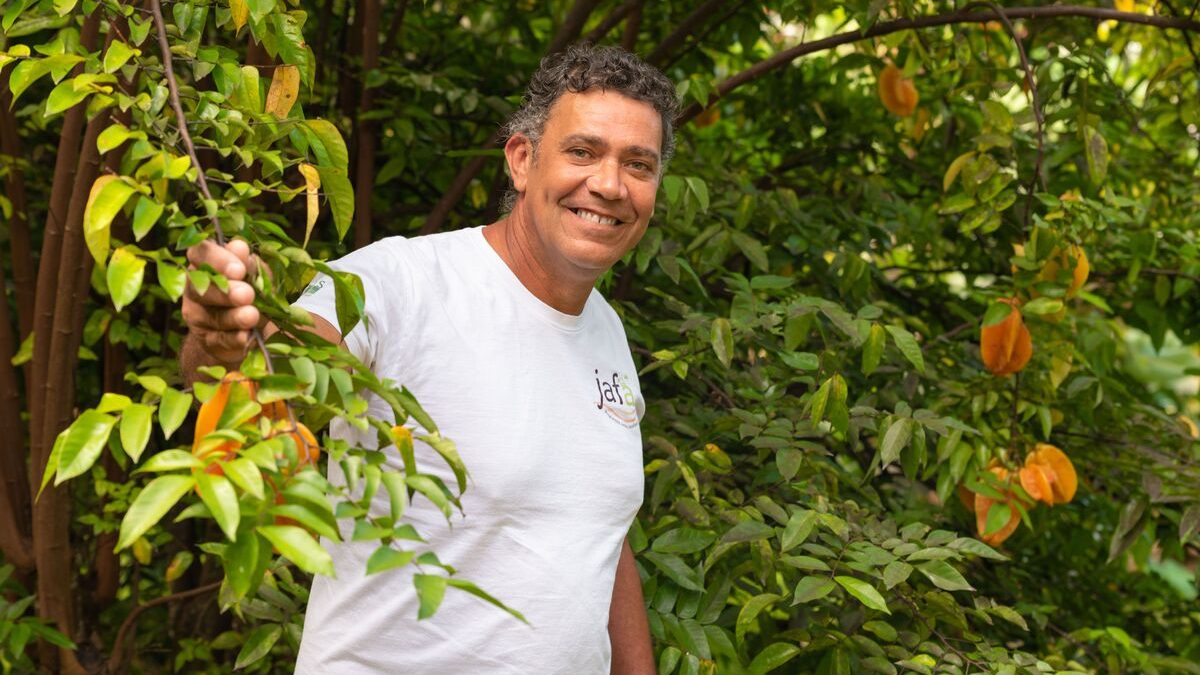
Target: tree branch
(115, 660)
(610, 22)
(785, 57)
(572, 25)
(685, 28)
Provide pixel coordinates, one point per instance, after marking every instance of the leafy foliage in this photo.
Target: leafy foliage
(807, 307)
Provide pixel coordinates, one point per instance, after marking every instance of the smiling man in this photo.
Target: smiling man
(500, 333)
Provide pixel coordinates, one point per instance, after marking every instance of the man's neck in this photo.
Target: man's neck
(520, 249)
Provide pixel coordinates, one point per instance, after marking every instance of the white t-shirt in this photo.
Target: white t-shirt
(544, 408)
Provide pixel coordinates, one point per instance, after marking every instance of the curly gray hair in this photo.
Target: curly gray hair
(580, 68)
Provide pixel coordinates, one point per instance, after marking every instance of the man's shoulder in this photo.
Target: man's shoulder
(395, 249)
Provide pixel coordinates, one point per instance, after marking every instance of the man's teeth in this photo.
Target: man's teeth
(595, 218)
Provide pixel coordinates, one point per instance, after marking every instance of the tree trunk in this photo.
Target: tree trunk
(14, 491)
(364, 171)
(18, 226)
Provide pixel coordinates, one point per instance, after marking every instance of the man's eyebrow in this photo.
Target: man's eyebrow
(596, 141)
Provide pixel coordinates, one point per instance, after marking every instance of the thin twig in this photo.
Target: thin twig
(785, 57)
(1037, 111)
(114, 661)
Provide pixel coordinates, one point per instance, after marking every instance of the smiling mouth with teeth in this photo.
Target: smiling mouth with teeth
(593, 217)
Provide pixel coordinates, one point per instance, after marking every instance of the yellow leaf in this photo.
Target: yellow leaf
(240, 11)
(285, 86)
(1123, 5)
(312, 184)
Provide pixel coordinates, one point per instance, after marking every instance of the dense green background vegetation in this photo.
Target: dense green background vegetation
(806, 308)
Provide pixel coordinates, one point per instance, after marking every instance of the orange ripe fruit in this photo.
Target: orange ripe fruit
(1036, 482)
(1062, 258)
(1059, 471)
(984, 504)
(1006, 346)
(707, 118)
(210, 410)
(307, 449)
(898, 93)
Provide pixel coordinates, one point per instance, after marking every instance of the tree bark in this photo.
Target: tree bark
(632, 26)
(391, 40)
(14, 490)
(364, 170)
(18, 226)
(610, 22)
(685, 28)
(572, 25)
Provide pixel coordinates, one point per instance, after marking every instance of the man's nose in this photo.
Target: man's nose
(606, 182)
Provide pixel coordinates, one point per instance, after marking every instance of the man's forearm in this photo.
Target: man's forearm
(628, 629)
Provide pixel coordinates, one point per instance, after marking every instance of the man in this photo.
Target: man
(501, 335)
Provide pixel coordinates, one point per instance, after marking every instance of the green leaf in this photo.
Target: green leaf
(387, 558)
(721, 339)
(812, 588)
(873, 349)
(799, 526)
(683, 540)
(85, 440)
(864, 592)
(172, 410)
(116, 55)
(908, 347)
(1096, 150)
(112, 137)
(449, 453)
(819, 401)
(111, 402)
(676, 570)
(135, 429)
(145, 214)
(752, 248)
(898, 435)
(996, 312)
(748, 530)
(28, 71)
(65, 96)
(698, 187)
(151, 505)
(246, 475)
(750, 611)
(976, 547)
(172, 278)
(464, 585)
(1043, 305)
(997, 517)
(895, 573)
(258, 645)
(944, 576)
(774, 655)
(105, 200)
(124, 277)
(431, 589)
(169, 460)
(332, 151)
(298, 546)
(218, 495)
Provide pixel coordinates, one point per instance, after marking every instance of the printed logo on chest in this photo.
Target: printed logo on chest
(617, 397)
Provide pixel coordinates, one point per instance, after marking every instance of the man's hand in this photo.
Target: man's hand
(220, 323)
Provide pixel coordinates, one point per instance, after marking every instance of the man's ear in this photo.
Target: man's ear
(518, 151)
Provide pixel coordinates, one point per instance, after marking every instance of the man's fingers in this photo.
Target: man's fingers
(240, 293)
(233, 260)
(212, 319)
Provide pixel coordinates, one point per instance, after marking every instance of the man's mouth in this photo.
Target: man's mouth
(594, 217)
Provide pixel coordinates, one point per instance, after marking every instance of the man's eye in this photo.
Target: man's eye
(579, 152)
(639, 166)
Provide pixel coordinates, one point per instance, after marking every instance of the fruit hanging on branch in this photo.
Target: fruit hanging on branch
(898, 93)
(1006, 346)
(1048, 475)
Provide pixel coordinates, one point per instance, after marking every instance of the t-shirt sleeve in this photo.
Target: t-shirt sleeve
(377, 267)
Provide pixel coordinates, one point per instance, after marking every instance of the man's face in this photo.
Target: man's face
(588, 193)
